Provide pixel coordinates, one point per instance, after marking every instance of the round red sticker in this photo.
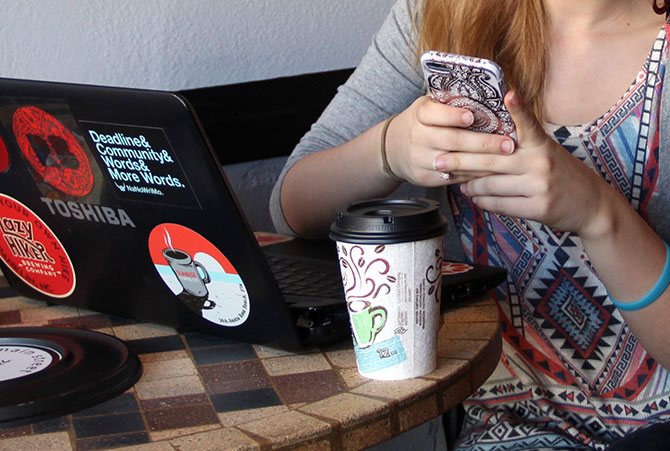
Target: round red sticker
(4, 156)
(53, 151)
(31, 250)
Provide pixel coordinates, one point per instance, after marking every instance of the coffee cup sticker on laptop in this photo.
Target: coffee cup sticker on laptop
(199, 275)
(32, 251)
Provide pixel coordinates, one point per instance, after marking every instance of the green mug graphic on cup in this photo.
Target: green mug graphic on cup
(366, 321)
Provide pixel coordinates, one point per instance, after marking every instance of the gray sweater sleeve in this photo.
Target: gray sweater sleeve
(385, 82)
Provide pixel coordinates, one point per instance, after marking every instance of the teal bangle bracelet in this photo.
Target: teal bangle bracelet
(655, 292)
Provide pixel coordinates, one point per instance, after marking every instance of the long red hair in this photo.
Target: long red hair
(509, 32)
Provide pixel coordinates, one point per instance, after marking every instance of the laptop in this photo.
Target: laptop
(112, 200)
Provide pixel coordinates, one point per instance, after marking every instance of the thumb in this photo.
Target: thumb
(529, 129)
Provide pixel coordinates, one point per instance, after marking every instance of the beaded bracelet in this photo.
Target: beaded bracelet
(385, 161)
(654, 293)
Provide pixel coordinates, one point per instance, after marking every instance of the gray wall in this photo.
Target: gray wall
(170, 44)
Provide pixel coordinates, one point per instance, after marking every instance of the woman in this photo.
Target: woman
(574, 210)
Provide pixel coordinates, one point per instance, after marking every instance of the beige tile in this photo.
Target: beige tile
(144, 330)
(351, 377)
(43, 314)
(296, 364)
(347, 408)
(168, 369)
(164, 388)
(398, 390)
(418, 413)
(448, 368)
(181, 432)
(320, 445)
(154, 446)
(368, 435)
(470, 331)
(472, 314)
(287, 429)
(264, 352)
(227, 438)
(19, 303)
(459, 349)
(245, 416)
(58, 441)
(345, 358)
(459, 389)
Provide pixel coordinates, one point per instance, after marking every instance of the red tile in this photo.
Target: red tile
(11, 317)
(308, 387)
(180, 417)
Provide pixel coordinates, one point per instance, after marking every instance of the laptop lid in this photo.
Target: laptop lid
(112, 200)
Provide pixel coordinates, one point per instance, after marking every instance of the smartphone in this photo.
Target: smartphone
(476, 84)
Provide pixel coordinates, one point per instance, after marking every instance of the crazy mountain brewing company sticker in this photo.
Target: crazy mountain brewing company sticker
(199, 274)
(52, 151)
(31, 250)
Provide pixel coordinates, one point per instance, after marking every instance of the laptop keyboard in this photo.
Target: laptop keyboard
(304, 278)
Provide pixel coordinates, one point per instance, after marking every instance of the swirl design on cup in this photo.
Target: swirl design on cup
(365, 277)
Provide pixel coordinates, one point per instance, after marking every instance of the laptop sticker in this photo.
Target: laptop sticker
(199, 274)
(4, 156)
(450, 268)
(32, 251)
(140, 163)
(52, 150)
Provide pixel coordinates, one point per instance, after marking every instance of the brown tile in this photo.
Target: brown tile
(180, 417)
(213, 440)
(82, 322)
(175, 401)
(155, 446)
(10, 317)
(163, 356)
(486, 361)
(288, 428)
(18, 431)
(308, 387)
(348, 409)
(417, 413)
(368, 435)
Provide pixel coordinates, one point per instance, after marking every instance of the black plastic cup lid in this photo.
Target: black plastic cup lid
(388, 221)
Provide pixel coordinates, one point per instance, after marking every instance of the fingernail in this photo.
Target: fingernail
(463, 188)
(439, 164)
(467, 118)
(507, 146)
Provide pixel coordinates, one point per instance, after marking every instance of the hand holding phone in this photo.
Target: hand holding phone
(476, 84)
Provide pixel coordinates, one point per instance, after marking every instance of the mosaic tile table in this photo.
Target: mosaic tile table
(201, 392)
